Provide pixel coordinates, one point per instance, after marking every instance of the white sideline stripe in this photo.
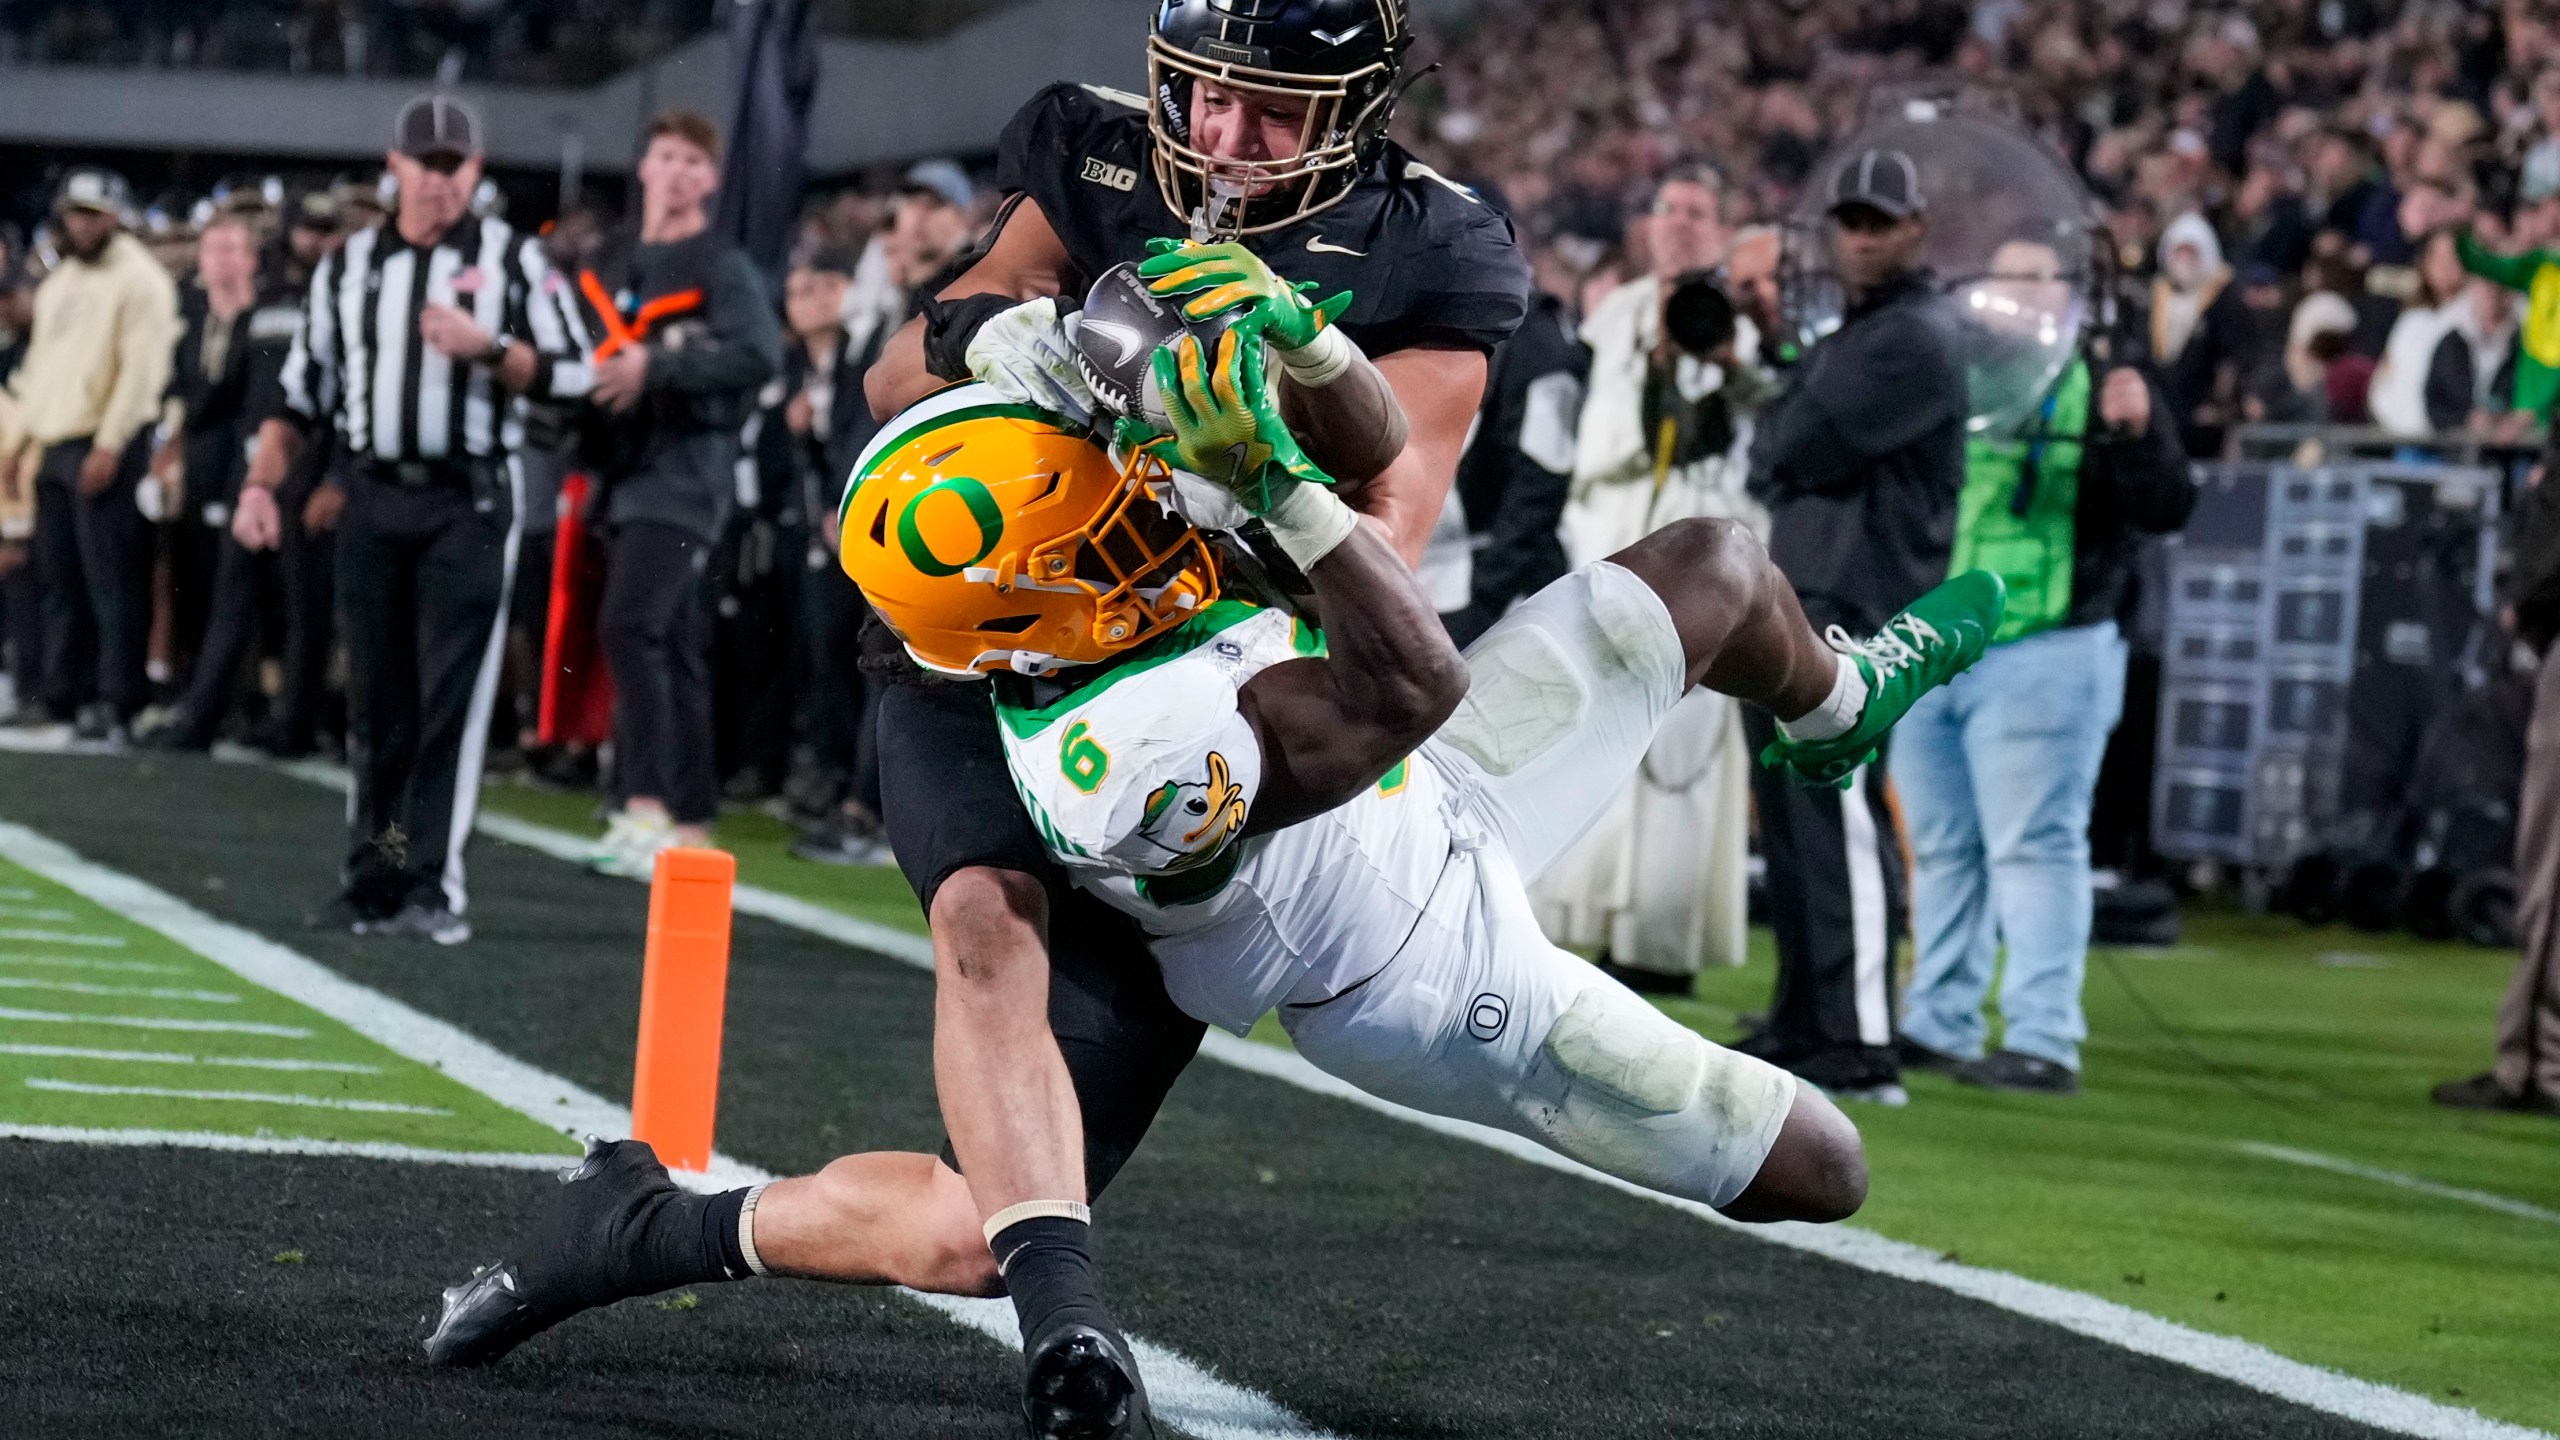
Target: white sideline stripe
(2485, 1199)
(65, 937)
(148, 992)
(240, 1097)
(1209, 1407)
(1184, 1393)
(156, 1022)
(282, 1145)
(35, 912)
(16, 892)
(65, 962)
(2239, 1361)
(171, 1057)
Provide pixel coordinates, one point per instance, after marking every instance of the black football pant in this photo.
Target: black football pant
(1837, 902)
(657, 642)
(22, 615)
(423, 574)
(839, 704)
(756, 635)
(93, 570)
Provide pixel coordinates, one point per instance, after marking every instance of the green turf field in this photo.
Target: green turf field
(2255, 1031)
(108, 1026)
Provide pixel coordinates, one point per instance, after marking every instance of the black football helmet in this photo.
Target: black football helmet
(1341, 58)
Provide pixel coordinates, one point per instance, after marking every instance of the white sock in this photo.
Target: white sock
(1838, 714)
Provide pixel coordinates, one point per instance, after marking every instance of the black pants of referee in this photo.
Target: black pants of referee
(1837, 903)
(93, 572)
(657, 641)
(423, 573)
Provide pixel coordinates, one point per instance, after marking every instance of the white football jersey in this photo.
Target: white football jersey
(1142, 778)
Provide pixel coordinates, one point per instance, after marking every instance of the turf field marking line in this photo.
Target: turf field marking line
(243, 1097)
(35, 912)
(16, 892)
(2240, 1361)
(65, 937)
(66, 962)
(1184, 1393)
(171, 1057)
(2314, 1160)
(147, 992)
(283, 1145)
(158, 1022)
(463, 1057)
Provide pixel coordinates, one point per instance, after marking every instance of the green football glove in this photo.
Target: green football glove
(1226, 276)
(1226, 423)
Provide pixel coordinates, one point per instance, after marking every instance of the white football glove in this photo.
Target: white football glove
(1028, 355)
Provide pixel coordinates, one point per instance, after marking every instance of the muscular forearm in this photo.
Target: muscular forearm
(899, 378)
(1389, 679)
(1344, 413)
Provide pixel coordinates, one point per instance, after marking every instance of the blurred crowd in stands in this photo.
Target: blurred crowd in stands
(2279, 179)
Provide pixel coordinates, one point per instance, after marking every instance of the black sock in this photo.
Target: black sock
(1047, 1263)
(633, 1240)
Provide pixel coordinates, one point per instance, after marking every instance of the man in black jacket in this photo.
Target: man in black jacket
(2526, 1076)
(1859, 461)
(685, 336)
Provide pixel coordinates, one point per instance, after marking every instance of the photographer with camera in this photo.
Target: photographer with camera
(1659, 885)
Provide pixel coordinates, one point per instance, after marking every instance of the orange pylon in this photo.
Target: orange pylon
(684, 992)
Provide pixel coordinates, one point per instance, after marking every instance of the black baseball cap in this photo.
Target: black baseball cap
(436, 126)
(1879, 179)
(316, 210)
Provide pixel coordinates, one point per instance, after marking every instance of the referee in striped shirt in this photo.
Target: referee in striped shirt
(420, 336)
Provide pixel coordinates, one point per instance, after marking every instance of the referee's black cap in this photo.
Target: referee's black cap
(433, 127)
(1880, 179)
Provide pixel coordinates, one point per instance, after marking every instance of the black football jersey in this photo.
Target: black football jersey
(1426, 261)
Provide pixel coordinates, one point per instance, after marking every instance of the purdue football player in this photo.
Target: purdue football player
(1262, 148)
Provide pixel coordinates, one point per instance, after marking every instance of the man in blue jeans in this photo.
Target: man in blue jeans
(1996, 770)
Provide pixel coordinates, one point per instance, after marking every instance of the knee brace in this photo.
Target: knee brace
(1649, 1100)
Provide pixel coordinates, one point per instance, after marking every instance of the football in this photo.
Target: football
(1116, 340)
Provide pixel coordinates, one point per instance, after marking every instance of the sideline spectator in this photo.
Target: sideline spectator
(2526, 1076)
(1998, 769)
(21, 624)
(688, 337)
(427, 544)
(1860, 462)
(105, 323)
(227, 365)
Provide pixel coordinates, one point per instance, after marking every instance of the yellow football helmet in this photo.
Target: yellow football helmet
(994, 537)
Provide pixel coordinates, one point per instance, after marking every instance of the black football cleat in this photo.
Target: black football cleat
(570, 1261)
(1081, 1384)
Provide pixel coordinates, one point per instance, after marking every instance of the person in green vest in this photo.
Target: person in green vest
(1997, 771)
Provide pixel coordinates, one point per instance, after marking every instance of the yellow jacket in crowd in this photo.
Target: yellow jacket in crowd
(98, 362)
(17, 491)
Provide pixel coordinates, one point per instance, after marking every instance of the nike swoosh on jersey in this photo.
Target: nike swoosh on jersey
(1124, 336)
(1316, 246)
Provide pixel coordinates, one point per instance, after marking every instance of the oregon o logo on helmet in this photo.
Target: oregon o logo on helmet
(982, 508)
(1488, 1015)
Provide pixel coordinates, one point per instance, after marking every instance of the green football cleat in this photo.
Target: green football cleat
(1917, 651)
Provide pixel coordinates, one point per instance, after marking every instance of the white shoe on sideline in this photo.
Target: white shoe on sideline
(631, 844)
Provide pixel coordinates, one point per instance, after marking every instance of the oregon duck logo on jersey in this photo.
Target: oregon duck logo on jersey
(1193, 821)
